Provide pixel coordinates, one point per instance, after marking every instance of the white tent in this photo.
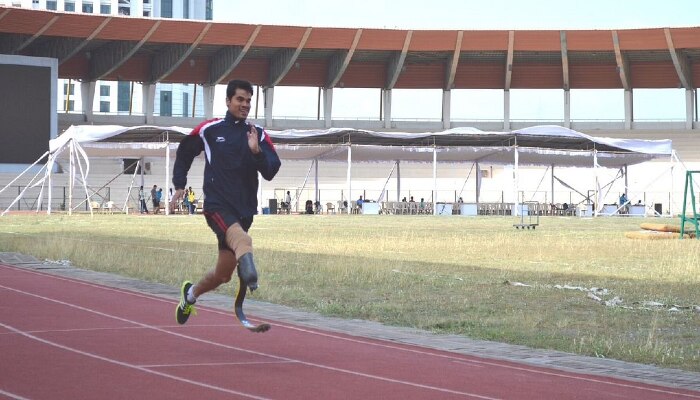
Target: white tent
(539, 145)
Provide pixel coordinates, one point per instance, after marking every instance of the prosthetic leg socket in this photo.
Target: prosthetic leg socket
(247, 272)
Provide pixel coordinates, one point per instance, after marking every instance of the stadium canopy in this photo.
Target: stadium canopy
(538, 145)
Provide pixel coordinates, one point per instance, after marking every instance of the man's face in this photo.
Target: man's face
(239, 104)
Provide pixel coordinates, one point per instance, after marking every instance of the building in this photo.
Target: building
(125, 97)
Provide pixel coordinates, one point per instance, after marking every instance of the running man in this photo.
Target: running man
(235, 151)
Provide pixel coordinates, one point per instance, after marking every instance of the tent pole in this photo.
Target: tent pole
(167, 177)
(478, 181)
(673, 164)
(131, 185)
(71, 178)
(434, 177)
(476, 163)
(516, 157)
(398, 180)
(25, 189)
(317, 196)
(381, 194)
(49, 169)
(596, 203)
(41, 192)
(552, 197)
(23, 172)
(82, 175)
(142, 172)
(348, 179)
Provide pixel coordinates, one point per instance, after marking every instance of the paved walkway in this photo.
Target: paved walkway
(453, 343)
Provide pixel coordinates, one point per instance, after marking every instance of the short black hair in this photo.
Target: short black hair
(238, 84)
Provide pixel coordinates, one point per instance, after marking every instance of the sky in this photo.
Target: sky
(293, 102)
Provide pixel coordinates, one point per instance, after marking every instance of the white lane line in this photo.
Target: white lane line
(310, 364)
(127, 365)
(410, 348)
(118, 328)
(12, 395)
(215, 364)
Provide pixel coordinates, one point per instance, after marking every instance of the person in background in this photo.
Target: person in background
(192, 200)
(624, 204)
(288, 202)
(154, 190)
(156, 202)
(142, 201)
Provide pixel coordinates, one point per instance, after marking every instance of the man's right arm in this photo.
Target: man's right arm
(189, 148)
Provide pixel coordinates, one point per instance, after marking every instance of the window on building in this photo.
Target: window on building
(104, 90)
(166, 9)
(124, 10)
(69, 6)
(87, 8)
(209, 11)
(146, 13)
(69, 105)
(105, 8)
(123, 95)
(104, 106)
(129, 166)
(69, 90)
(186, 9)
(166, 103)
(185, 103)
(51, 5)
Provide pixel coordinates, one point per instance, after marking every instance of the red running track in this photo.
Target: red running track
(69, 339)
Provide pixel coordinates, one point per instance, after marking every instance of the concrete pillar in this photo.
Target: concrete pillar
(506, 110)
(387, 108)
(327, 107)
(689, 108)
(87, 94)
(446, 109)
(208, 100)
(629, 109)
(567, 109)
(148, 96)
(268, 95)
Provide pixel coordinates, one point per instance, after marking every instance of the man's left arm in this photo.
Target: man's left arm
(266, 159)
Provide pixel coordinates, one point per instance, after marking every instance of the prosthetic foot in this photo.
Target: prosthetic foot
(247, 272)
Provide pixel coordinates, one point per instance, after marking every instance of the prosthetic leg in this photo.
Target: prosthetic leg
(242, 245)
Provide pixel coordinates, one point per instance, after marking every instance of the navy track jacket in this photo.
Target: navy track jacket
(231, 169)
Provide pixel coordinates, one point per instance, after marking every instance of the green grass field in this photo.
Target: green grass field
(454, 275)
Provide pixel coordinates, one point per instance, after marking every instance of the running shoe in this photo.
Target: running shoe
(184, 308)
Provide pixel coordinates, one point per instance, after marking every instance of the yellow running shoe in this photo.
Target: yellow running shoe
(184, 308)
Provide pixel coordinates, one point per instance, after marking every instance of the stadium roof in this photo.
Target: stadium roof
(105, 47)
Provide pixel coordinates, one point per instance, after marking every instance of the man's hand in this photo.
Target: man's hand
(253, 139)
(177, 197)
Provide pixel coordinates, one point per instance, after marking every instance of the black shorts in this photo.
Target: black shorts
(220, 220)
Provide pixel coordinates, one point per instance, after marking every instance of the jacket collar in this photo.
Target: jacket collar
(230, 118)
